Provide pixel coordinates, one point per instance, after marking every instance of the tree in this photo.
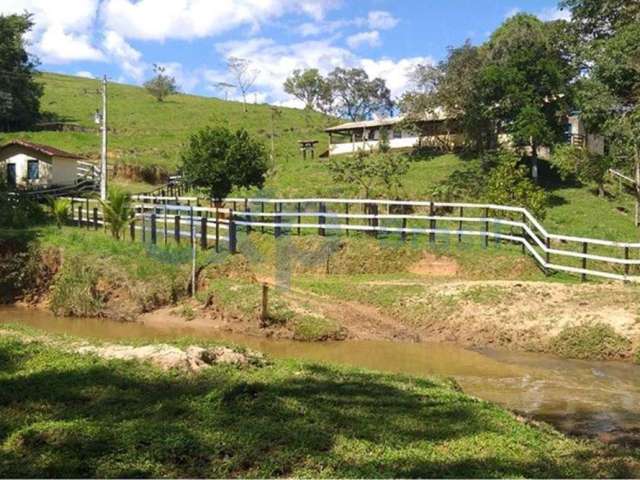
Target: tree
(509, 184)
(19, 92)
(117, 211)
(583, 164)
(524, 83)
(220, 160)
(60, 209)
(311, 88)
(244, 76)
(356, 96)
(161, 85)
(370, 172)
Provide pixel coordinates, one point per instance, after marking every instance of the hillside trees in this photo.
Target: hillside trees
(220, 160)
(244, 76)
(311, 88)
(19, 92)
(161, 85)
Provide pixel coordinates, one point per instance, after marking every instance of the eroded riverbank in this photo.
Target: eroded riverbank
(600, 399)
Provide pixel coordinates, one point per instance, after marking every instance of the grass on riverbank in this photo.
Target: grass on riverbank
(65, 415)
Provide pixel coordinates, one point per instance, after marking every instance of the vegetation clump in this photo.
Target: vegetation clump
(596, 341)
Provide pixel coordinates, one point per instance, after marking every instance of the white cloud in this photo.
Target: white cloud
(275, 63)
(371, 39)
(186, 19)
(128, 58)
(551, 14)
(62, 32)
(85, 74)
(379, 19)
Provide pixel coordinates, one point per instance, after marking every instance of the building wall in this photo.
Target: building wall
(65, 171)
(449, 141)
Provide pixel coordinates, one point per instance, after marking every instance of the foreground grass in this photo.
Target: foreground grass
(64, 415)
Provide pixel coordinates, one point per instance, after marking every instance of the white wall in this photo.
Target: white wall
(55, 171)
(64, 171)
(21, 161)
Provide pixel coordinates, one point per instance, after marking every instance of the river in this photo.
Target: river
(585, 397)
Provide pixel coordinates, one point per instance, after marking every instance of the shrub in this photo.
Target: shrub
(596, 341)
(74, 291)
(60, 208)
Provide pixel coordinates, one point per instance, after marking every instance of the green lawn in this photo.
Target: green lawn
(64, 415)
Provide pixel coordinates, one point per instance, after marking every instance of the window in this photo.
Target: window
(33, 170)
(397, 133)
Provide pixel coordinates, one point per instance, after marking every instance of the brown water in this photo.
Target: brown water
(576, 396)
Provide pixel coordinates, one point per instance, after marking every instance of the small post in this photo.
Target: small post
(203, 233)
(176, 228)
(154, 232)
(584, 261)
(88, 212)
(347, 219)
(432, 222)
(376, 223)
(299, 209)
(547, 255)
(264, 314)
(524, 233)
(460, 225)
(217, 230)
(132, 230)
(80, 216)
(232, 233)
(95, 218)
(403, 234)
(277, 230)
(192, 226)
(262, 217)
(321, 219)
(144, 226)
(486, 228)
(626, 257)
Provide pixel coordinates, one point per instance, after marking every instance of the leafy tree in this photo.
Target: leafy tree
(356, 96)
(583, 164)
(509, 184)
(370, 172)
(19, 92)
(311, 88)
(161, 85)
(220, 160)
(244, 75)
(117, 211)
(524, 83)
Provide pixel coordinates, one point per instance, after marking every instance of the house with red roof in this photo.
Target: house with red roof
(31, 165)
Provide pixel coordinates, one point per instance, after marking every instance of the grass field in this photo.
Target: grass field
(65, 415)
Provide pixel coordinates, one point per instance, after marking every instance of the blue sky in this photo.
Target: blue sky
(193, 38)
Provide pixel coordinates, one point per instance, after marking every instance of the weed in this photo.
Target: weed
(595, 341)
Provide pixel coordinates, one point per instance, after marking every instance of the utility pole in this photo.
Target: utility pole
(103, 153)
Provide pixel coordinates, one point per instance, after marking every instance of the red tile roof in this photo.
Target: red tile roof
(43, 149)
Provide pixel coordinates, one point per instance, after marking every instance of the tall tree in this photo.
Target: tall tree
(244, 76)
(311, 88)
(19, 92)
(357, 97)
(161, 85)
(524, 83)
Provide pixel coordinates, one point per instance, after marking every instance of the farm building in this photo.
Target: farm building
(437, 131)
(25, 164)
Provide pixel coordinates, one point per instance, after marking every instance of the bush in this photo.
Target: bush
(596, 341)
(74, 291)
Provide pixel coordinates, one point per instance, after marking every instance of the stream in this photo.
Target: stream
(579, 397)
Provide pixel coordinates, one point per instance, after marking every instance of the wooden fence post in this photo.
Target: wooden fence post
(264, 314)
(375, 222)
(347, 219)
(154, 231)
(547, 255)
(626, 257)
(144, 227)
(132, 230)
(80, 216)
(403, 234)
(299, 209)
(460, 225)
(277, 230)
(486, 228)
(95, 218)
(203, 233)
(88, 213)
(232, 233)
(262, 217)
(584, 261)
(524, 232)
(217, 230)
(176, 228)
(432, 222)
(321, 219)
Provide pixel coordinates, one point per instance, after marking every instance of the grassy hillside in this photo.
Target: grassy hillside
(145, 131)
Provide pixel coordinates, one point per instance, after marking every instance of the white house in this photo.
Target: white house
(25, 164)
(435, 131)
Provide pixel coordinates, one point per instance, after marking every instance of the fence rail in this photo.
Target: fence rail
(552, 252)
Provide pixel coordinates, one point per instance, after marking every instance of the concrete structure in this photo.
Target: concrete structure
(31, 165)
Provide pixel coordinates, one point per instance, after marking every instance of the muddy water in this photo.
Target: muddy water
(576, 396)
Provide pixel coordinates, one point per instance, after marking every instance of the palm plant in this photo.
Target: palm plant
(117, 211)
(60, 208)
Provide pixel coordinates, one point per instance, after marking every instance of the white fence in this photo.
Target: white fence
(516, 225)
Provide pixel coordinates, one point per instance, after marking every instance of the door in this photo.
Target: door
(11, 174)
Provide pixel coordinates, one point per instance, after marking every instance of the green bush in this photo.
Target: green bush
(596, 341)
(74, 291)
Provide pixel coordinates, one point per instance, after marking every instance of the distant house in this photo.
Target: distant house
(436, 131)
(25, 164)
